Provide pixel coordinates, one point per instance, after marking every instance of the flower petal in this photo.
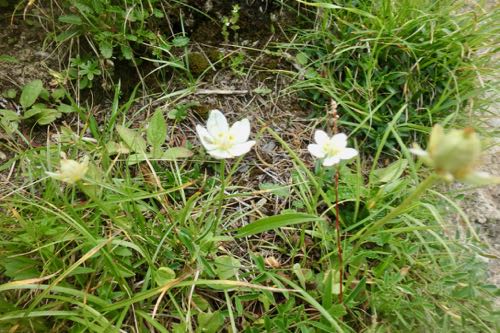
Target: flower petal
(204, 137)
(241, 148)
(416, 150)
(329, 161)
(220, 154)
(480, 178)
(217, 123)
(55, 175)
(316, 150)
(339, 140)
(240, 130)
(321, 137)
(347, 153)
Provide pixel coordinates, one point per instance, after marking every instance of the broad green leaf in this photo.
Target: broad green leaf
(164, 275)
(302, 58)
(71, 19)
(274, 222)
(176, 152)
(226, 267)
(58, 94)
(114, 148)
(34, 110)
(391, 172)
(210, 322)
(106, 49)
(20, 268)
(127, 52)
(132, 139)
(170, 154)
(9, 115)
(158, 13)
(30, 93)
(47, 116)
(180, 41)
(65, 108)
(276, 189)
(157, 132)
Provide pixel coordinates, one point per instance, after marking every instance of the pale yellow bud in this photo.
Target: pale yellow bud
(71, 171)
(455, 155)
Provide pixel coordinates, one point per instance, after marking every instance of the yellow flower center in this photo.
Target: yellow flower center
(224, 141)
(331, 150)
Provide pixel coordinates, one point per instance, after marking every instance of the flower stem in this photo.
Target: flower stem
(339, 240)
(222, 172)
(335, 117)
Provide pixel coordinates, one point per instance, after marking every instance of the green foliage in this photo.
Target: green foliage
(38, 105)
(155, 240)
(84, 72)
(373, 57)
(231, 23)
(130, 32)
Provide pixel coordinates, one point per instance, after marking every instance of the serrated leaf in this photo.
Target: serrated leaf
(30, 93)
(157, 132)
(126, 52)
(132, 139)
(10, 93)
(275, 222)
(210, 322)
(180, 41)
(106, 49)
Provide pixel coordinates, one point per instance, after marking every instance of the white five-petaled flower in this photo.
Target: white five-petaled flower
(222, 141)
(71, 171)
(331, 150)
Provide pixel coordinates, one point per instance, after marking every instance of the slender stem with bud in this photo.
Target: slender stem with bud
(337, 210)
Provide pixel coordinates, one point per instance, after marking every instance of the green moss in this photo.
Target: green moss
(198, 63)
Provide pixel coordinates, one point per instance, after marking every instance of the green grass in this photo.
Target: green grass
(372, 57)
(159, 237)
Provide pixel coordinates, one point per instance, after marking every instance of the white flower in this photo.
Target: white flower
(220, 141)
(331, 150)
(71, 171)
